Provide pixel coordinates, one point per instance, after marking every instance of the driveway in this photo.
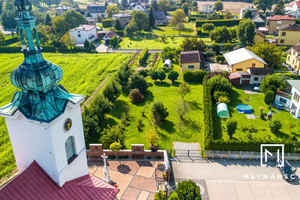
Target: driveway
(238, 179)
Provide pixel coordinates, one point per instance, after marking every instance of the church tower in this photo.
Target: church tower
(43, 120)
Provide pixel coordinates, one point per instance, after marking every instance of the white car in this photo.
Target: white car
(256, 88)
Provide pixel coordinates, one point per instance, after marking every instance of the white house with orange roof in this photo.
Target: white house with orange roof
(293, 8)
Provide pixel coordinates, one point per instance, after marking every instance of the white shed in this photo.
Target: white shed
(167, 63)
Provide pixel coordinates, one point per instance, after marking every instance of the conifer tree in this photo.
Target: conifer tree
(151, 18)
(48, 21)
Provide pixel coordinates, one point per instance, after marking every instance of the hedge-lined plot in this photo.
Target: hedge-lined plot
(82, 74)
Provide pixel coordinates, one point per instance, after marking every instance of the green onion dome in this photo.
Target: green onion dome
(23, 5)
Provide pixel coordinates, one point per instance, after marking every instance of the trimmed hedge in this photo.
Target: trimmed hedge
(120, 33)
(223, 22)
(11, 40)
(220, 58)
(208, 115)
(194, 76)
(106, 23)
(8, 49)
(240, 145)
(143, 56)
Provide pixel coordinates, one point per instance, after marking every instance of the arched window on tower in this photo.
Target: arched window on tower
(35, 38)
(70, 149)
(23, 39)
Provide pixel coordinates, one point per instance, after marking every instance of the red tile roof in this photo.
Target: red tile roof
(35, 183)
(281, 17)
(298, 4)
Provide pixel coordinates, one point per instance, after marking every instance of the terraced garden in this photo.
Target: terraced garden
(82, 74)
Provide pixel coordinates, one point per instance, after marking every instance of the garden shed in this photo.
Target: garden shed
(167, 63)
(222, 110)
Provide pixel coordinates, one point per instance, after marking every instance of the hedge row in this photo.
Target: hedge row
(208, 115)
(240, 145)
(143, 56)
(8, 49)
(106, 23)
(194, 76)
(11, 40)
(223, 22)
(120, 33)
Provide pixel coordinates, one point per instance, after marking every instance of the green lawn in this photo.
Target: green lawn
(141, 42)
(171, 31)
(263, 130)
(173, 129)
(82, 74)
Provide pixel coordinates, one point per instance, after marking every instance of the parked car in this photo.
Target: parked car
(256, 88)
(288, 172)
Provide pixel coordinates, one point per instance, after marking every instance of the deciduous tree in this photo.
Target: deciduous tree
(218, 5)
(164, 5)
(141, 20)
(246, 32)
(220, 34)
(248, 14)
(264, 4)
(60, 25)
(111, 9)
(279, 9)
(272, 83)
(190, 44)
(73, 18)
(178, 19)
(183, 90)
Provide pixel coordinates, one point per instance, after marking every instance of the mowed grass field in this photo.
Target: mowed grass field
(82, 73)
(262, 125)
(232, 6)
(173, 128)
(141, 42)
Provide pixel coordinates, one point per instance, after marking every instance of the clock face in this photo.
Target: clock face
(67, 124)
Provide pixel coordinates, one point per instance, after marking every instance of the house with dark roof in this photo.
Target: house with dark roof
(191, 60)
(61, 9)
(274, 22)
(161, 18)
(96, 9)
(293, 57)
(259, 37)
(289, 34)
(252, 10)
(108, 36)
(123, 18)
(259, 21)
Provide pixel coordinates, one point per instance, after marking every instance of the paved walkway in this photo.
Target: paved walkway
(238, 179)
(216, 67)
(136, 179)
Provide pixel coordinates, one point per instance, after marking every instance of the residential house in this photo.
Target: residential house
(161, 18)
(251, 8)
(242, 59)
(123, 18)
(82, 33)
(108, 36)
(293, 8)
(259, 21)
(259, 37)
(290, 98)
(252, 76)
(274, 22)
(191, 60)
(90, 21)
(289, 34)
(96, 10)
(293, 57)
(138, 7)
(61, 9)
(207, 8)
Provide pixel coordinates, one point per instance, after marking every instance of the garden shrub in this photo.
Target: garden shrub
(173, 75)
(106, 23)
(194, 76)
(154, 75)
(269, 97)
(219, 83)
(136, 96)
(138, 81)
(114, 41)
(12, 49)
(143, 56)
(11, 40)
(223, 99)
(112, 90)
(123, 74)
(188, 190)
(220, 59)
(159, 112)
(275, 125)
(220, 94)
(161, 75)
(112, 134)
(272, 82)
(249, 128)
(227, 47)
(144, 73)
(188, 76)
(231, 126)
